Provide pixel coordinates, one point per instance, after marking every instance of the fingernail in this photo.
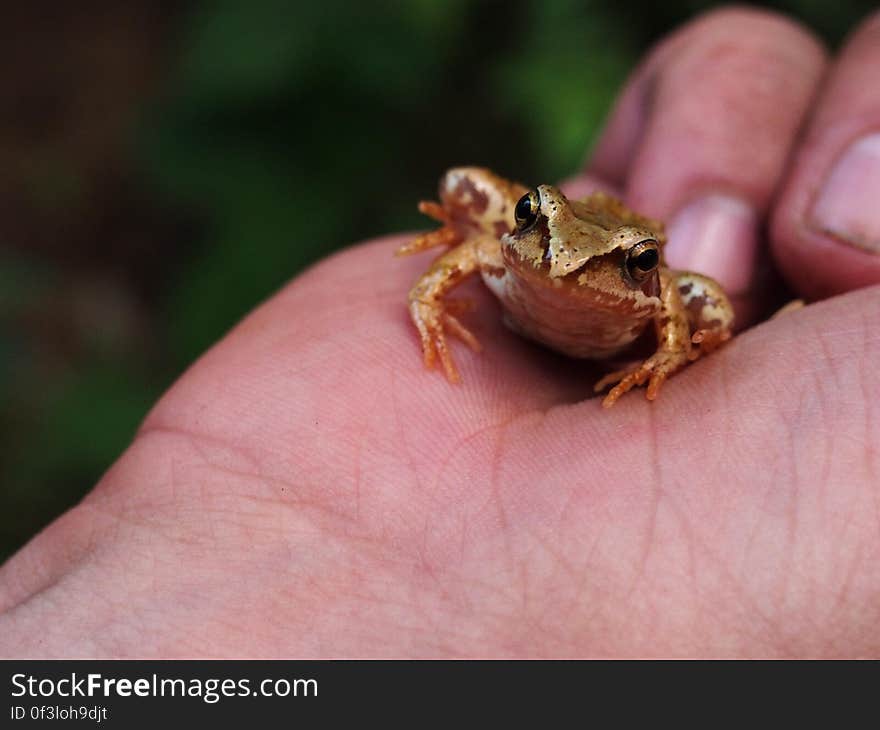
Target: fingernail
(848, 205)
(715, 235)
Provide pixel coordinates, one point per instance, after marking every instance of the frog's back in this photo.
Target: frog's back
(478, 201)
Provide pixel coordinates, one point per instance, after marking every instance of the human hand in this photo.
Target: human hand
(308, 489)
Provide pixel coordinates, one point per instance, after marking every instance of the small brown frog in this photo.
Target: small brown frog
(584, 277)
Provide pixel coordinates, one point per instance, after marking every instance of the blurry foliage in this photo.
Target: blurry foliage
(284, 131)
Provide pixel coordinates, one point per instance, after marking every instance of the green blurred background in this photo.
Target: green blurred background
(165, 166)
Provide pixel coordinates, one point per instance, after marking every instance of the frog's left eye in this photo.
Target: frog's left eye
(526, 211)
(642, 259)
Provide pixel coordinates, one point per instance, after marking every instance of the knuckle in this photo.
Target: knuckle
(747, 18)
(866, 36)
(871, 24)
(747, 58)
(755, 31)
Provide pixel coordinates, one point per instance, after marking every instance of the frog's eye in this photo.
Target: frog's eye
(526, 211)
(642, 259)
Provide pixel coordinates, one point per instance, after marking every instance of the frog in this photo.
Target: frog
(585, 277)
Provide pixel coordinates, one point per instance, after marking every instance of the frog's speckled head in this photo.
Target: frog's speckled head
(595, 245)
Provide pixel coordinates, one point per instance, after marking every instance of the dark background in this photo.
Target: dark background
(165, 166)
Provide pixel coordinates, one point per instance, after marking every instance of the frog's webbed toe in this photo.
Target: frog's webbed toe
(655, 370)
(707, 340)
(433, 319)
(447, 235)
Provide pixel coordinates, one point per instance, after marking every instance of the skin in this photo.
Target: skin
(306, 489)
(566, 275)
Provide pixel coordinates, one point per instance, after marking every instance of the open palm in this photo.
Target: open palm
(309, 489)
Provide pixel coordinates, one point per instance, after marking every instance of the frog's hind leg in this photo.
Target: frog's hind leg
(709, 312)
(697, 318)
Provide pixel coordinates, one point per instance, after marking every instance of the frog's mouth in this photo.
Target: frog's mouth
(602, 282)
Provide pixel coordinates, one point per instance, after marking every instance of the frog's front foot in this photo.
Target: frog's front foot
(447, 235)
(707, 340)
(655, 370)
(433, 319)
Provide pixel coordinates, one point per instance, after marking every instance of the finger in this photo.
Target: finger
(583, 184)
(702, 135)
(826, 226)
(625, 127)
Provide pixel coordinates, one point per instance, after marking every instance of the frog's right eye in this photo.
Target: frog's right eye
(526, 211)
(642, 259)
